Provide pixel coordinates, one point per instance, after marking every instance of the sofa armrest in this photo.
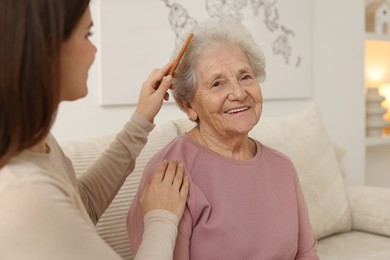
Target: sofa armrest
(370, 209)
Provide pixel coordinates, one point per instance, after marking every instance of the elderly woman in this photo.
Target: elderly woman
(245, 200)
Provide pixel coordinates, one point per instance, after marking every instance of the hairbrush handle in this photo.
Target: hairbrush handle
(180, 55)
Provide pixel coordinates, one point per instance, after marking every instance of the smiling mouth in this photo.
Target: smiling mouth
(237, 110)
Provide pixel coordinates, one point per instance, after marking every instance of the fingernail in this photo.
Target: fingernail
(168, 78)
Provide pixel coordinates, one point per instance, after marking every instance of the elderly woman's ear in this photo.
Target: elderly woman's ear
(192, 114)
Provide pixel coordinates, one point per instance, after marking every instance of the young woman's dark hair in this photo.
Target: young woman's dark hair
(46, 53)
(29, 74)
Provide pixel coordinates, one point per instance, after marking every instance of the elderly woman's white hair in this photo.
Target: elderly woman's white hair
(218, 31)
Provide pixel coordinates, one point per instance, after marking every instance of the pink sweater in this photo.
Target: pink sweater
(251, 209)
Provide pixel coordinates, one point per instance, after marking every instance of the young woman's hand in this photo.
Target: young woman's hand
(167, 190)
(154, 91)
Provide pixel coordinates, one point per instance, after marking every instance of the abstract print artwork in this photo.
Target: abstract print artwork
(139, 35)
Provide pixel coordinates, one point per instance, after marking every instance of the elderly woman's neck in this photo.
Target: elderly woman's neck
(238, 147)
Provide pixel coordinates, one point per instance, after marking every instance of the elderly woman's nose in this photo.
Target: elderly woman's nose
(237, 91)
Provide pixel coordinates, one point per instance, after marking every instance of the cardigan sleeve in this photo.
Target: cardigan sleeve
(102, 181)
(160, 231)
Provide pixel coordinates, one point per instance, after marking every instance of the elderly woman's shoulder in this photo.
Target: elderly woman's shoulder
(180, 148)
(273, 151)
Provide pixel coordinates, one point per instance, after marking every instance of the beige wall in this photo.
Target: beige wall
(338, 87)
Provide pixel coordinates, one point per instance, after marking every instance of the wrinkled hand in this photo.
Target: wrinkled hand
(154, 91)
(167, 190)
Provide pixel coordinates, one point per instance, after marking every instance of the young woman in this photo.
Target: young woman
(45, 211)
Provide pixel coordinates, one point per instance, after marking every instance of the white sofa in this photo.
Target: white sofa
(349, 222)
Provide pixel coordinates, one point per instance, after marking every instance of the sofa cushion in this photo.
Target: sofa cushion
(354, 245)
(370, 209)
(112, 224)
(304, 139)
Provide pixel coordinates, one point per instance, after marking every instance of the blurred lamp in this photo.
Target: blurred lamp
(377, 73)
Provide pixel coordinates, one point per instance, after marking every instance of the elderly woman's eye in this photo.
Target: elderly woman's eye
(216, 84)
(246, 77)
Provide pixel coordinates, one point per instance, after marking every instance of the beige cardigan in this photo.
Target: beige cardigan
(47, 213)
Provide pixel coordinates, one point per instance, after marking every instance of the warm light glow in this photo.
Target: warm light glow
(375, 75)
(384, 90)
(377, 63)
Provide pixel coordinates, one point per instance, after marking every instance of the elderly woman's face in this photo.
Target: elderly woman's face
(228, 98)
